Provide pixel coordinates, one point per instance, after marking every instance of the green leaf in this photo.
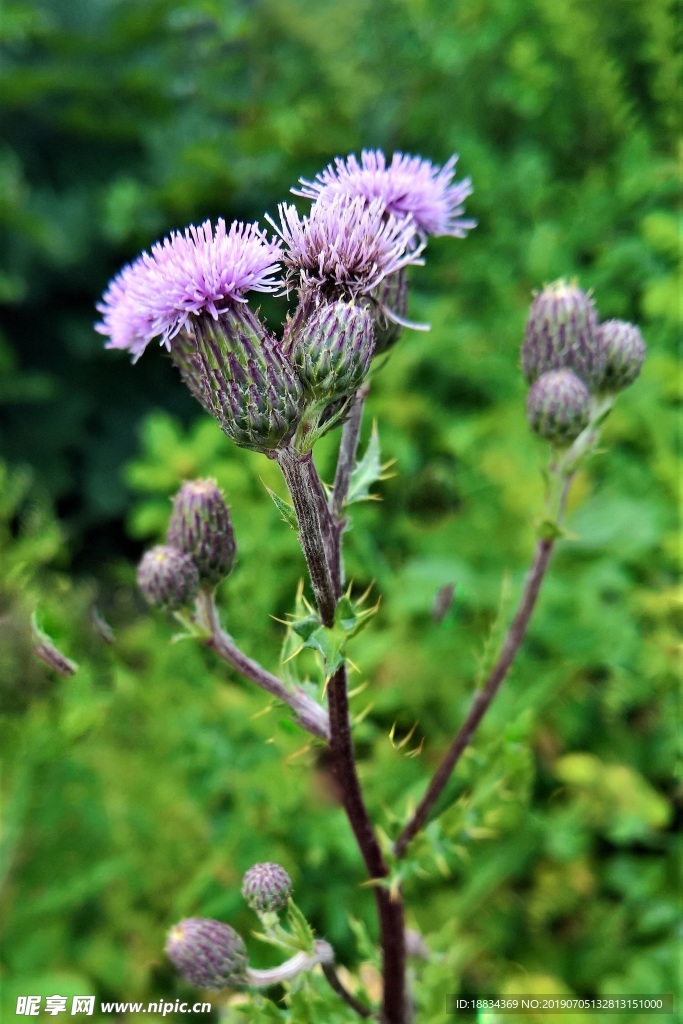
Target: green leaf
(367, 471)
(285, 509)
(300, 928)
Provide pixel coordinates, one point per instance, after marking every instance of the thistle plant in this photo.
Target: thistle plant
(343, 266)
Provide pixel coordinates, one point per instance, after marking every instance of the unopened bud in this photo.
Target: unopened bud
(332, 349)
(558, 407)
(624, 353)
(200, 526)
(240, 374)
(561, 333)
(266, 888)
(167, 578)
(207, 953)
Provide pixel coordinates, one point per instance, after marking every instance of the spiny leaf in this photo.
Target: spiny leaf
(286, 511)
(367, 471)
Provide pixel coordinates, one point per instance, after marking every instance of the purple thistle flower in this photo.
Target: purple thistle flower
(344, 248)
(199, 271)
(408, 187)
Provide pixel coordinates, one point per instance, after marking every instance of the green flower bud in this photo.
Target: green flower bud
(391, 295)
(266, 888)
(332, 348)
(624, 353)
(561, 333)
(200, 526)
(167, 578)
(558, 407)
(240, 374)
(207, 953)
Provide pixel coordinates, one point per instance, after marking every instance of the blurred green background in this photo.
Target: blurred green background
(138, 791)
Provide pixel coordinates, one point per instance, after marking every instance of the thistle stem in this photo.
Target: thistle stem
(302, 961)
(309, 714)
(482, 698)
(297, 473)
(312, 515)
(336, 985)
(389, 906)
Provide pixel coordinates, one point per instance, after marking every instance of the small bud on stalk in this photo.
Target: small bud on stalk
(562, 333)
(200, 526)
(167, 578)
(207, 953)
(624, 350)
(333, 349)
(267, 888)
(212, 955)
(558, 407)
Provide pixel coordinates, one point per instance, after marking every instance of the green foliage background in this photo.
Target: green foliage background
(139, 790)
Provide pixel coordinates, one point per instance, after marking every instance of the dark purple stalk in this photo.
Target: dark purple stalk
(482, 698)
(310, 715)
(337, 986)
(316, 525)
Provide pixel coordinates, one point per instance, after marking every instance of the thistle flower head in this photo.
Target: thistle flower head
(562, 333)
(407, 187)
(207, 953)
(200, 526)
(201, 270)
(558, 407)
(167, 578)
(266, 888)
(344, 248)
(624, 350)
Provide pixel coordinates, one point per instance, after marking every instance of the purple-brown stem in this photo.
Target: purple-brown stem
(297, 471)
(482, 698)
(336, 985)
(306, 490)
(309, 714)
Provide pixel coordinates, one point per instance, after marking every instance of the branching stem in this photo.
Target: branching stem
(309, 714)
(482, 698)
(317, 524)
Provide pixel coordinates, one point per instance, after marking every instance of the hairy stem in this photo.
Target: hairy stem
(314, 528)
(297, 471)
(309, 714)
(482, 698)
(389, 907)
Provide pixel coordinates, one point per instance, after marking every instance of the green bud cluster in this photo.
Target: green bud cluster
(573, 363)
(199, 551)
